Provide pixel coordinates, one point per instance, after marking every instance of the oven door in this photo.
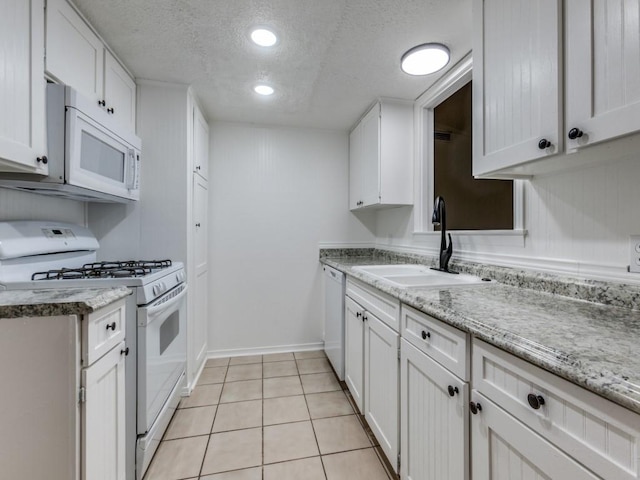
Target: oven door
(162, 352)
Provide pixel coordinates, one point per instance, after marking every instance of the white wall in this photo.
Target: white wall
(275, 194)
(578, 222)
(15, 205)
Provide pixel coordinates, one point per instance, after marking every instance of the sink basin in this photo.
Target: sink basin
(405, 276)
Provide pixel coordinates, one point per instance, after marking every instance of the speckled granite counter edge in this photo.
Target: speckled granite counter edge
(606, 293)
(41, 303)
(554, 361)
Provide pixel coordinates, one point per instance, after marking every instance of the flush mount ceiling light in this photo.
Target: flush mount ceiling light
(263, 90)
(425, 59)
(264, 37)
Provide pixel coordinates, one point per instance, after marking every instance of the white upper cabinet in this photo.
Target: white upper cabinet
(602, 70)
(119, 92)
(516, 82)
(200, 144)
(522, 49)
(22, 87)
(381, 157)
(76, 56)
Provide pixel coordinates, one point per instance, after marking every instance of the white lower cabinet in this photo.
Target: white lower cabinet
(435, 419)
(103, 418)
(354, 351)
(469, 410)
(371, 366)
(503, 448)
(65, 413)
(381, 346)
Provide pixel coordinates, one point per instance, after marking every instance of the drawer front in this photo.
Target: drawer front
(102, 330)
(599, 434)
(445, 344)
(383, 306)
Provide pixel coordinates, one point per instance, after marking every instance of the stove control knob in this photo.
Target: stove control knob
(156, 290)
(164, 286)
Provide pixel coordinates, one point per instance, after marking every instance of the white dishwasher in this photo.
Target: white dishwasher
(334, 290)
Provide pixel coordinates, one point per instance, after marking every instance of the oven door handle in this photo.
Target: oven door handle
(153, 311)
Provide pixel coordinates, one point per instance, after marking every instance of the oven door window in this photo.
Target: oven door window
(169, 331)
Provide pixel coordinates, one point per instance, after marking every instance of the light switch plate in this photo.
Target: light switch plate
(634, 253)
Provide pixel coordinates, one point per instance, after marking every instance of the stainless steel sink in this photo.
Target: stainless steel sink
(405, 276)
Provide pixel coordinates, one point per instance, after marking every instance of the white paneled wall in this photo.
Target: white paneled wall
(578, 222)
(15, 205)
(276, 193)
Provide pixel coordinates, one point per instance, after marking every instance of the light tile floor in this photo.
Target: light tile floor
(274, 417)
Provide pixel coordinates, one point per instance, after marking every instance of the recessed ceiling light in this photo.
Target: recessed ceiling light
(264, 37)
(425, 59)
(263, 90)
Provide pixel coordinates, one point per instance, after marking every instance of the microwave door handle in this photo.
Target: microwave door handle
(131, 184)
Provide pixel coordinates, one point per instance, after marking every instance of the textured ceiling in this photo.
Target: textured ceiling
(333, 59)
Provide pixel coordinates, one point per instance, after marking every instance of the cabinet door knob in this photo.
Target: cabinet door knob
(364, 318)
(125, 352)
(197, 224)
(544, 143)
(111, 326)
(110, 110)
(102, 103)
(475, 407)
(575, 133)
(426, 335)
(43, 159)
(358, 314)
(452, 390)
(198, 167)
(535, 401)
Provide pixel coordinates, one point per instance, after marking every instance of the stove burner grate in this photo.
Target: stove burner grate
(126, 269)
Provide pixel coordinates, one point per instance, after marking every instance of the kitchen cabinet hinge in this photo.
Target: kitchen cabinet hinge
(399, 466)
(82, 395)
(398, 353)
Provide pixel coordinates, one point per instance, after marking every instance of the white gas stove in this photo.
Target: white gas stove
(44, 255)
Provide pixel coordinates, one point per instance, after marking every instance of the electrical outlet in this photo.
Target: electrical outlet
(634, 253)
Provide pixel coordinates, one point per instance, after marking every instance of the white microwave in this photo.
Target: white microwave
(90, 156)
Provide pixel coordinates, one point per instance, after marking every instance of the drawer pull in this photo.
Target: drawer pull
(475, 407)
(535, 401)
(111, 326)
(426, 335)
(452, 390)
(125, 352)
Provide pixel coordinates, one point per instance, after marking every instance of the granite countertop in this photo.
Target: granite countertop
(590, 344)
(63, 301)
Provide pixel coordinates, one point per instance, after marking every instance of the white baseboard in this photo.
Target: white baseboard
(237, 352)
(189, 387)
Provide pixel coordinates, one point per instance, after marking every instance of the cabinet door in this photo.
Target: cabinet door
(516, 82)
(119, 92)
(370, 168)
(198, 322)
(22, 86)
(354, 351)
(381, 367)
(200, 144)
(502, 447)
(355, 168)
(75, 55)
(103, 418)
(435, 424)
(603, 69)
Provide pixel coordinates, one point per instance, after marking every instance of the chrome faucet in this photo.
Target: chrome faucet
(439, 217)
